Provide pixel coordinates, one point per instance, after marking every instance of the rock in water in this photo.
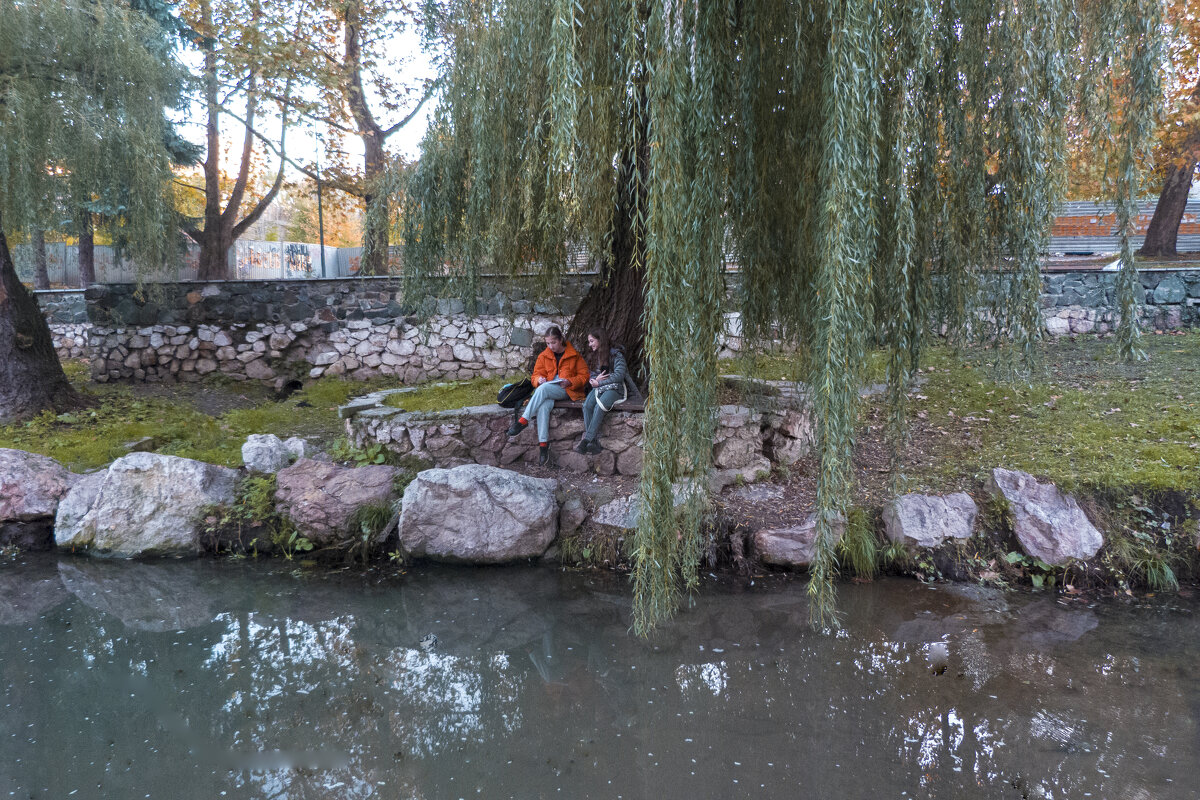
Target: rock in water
(928, 520)
(320, 499)
(792, 547)
(145, 504)
(1048, 524)
(478, 514)
(31, 487)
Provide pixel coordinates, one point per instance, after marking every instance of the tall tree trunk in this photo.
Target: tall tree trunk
(31, 377)
(87, 252)
(375, 225)
(1163, 234)
(617, 298)
(213, 264)
(41, 278)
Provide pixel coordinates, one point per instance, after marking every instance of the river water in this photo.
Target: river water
(214, 679)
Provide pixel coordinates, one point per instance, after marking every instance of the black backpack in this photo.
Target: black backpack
(512, 395)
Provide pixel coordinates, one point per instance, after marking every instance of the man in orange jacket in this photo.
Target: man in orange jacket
(560, 373)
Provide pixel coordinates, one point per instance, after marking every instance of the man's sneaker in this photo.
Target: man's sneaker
(582, 446)
(516, 428)
(543, 456)
(593, 448)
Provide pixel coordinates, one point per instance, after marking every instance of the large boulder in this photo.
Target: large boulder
(1048, 524)
(928, 520)
(794, 546)
(31, 487)
(478, 514)
(321, 499)
(145, 504)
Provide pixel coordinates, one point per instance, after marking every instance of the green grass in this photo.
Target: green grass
(440, 397)
(1084, 420)
(117, 415)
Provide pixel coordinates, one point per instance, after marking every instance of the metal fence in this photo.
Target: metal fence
(1080, 227)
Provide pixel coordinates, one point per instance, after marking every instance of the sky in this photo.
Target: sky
(302, 143)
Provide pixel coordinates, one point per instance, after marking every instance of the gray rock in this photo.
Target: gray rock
(478, 514)
(928, 520)
(1170, 291)
(1048, 524)
(146, 504)
(792, 547)
(267, 453)
(571, 515)
(31, 486)
(320, 499)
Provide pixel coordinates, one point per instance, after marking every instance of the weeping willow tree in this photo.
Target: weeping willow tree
(83, 88)
(876, 169)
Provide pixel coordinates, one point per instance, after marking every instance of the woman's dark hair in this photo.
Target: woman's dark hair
(554, 331)
(600, 356)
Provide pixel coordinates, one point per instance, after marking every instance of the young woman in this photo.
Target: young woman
(559, 373)
(611, 384)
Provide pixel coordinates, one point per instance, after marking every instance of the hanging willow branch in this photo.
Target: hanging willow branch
(878, 169)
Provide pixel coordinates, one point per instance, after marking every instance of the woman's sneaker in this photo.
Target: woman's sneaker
(543, 456)
(593, 448)
(582, 447)
(516, 428)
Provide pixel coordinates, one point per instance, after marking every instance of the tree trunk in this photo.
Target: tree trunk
(31, 377)
(87, 252)
(41, 278)
(1163, 234)
(617, 298)
(213, 264)
(375, 225)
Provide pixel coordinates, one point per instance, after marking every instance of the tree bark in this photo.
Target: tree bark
(375, 227)
(31, 377)
(617, 298)
(41, 277)
(1163, 234)
(87, 252)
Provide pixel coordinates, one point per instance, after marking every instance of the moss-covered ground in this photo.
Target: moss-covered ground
(1081, 418)
(208, 420)
(442, 395)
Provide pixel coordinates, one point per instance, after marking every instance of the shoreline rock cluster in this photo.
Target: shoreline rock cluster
(147, 505)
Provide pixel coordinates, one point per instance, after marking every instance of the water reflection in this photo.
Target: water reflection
(189, 680)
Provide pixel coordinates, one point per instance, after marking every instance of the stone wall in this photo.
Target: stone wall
(1085, 302)
(308, 328)
(747, 441)
(362, 328)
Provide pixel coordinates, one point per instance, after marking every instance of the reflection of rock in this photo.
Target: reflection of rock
(28, 591)
(470, 611)
(146, 505)
(1050, 525)
(478, 514)
(1045, 624)
(146, 597)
